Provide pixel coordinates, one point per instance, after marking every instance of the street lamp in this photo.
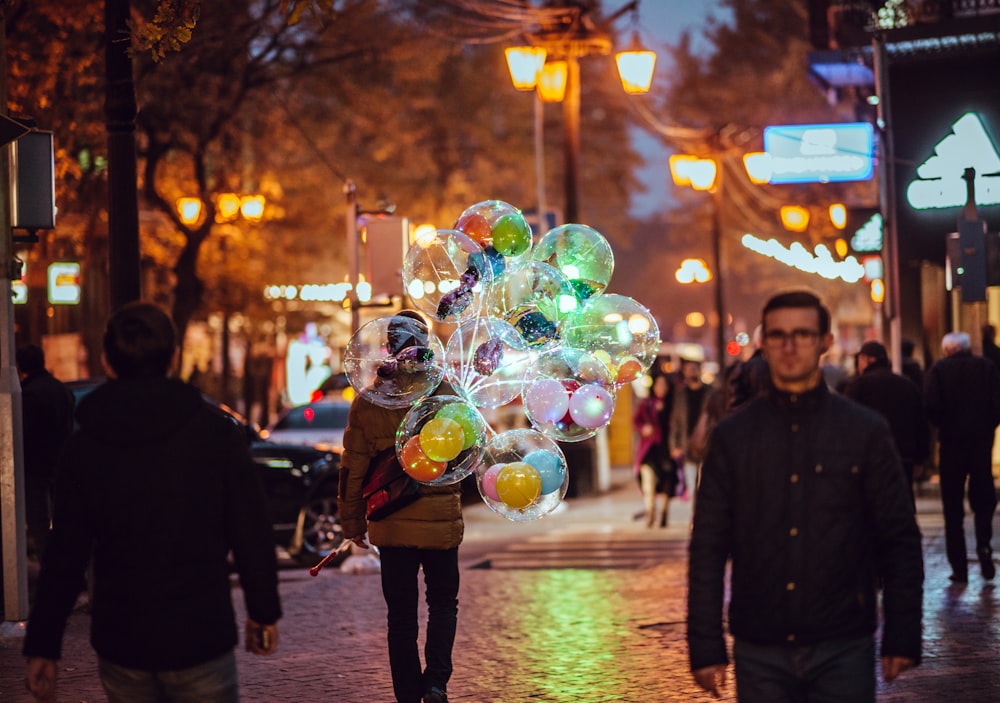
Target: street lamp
(229, 207)
(564, 39)
(706, 174)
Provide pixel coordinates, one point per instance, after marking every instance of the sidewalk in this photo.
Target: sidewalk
(610, 632)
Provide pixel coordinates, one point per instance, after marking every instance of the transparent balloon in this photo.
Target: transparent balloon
(534, 299)
(570, 395)
(496, 225)
(441, 439)
(394, 361)
(447, 275)
(581, 254)
(617, 330)
(485, 361)
(523, 475)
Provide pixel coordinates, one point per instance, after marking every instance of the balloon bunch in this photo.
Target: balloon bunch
(532, 322)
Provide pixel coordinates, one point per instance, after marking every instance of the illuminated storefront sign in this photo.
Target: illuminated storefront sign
(820, 153)
(940, 183)
(64, 283)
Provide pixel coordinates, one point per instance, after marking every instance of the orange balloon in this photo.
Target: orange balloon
(417, 464)
(475, 226)
(628, 370)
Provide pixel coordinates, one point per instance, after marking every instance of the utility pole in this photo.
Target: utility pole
(13, 550)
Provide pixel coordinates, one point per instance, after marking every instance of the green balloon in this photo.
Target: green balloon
(467, 417)
(511, 234)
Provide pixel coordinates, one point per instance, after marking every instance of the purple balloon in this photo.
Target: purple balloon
(591, 405)
(546, 400)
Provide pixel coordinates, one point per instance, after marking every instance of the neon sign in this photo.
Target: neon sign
(868, 237)
(939, 183)
(797, 256)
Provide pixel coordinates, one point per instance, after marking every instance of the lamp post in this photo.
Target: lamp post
(553, 56)
(706, 175)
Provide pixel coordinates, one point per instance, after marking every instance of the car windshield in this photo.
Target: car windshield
(314, 416)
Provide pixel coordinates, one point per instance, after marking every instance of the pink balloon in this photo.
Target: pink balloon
(489, 482)
(546, 400)
(590, 406)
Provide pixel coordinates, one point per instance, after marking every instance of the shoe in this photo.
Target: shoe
(959, 578)
(435, 695)
(663, 519)
(986, 564)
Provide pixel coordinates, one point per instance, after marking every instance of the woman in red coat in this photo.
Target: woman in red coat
(654, 467)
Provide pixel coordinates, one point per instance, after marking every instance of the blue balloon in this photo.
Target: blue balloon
(550, 467)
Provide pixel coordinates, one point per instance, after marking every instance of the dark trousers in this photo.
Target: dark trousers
(400, 588)
(836, 671)
(37, 508)
(972, 461)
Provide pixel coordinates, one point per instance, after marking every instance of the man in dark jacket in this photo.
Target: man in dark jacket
(962, 398)
(158, 488)
(898, 400)
(47, 420)
(803, 491)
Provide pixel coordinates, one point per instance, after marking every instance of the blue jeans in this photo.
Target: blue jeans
(214, 681)
(836, 671)
(400, 589)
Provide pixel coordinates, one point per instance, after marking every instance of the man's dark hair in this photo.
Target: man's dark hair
(798, 299)
(30, 359)
(907, 346)
(139, 341)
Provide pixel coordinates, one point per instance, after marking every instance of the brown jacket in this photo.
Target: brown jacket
(434, 521)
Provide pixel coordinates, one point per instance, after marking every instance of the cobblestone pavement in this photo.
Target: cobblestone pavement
(607, 625)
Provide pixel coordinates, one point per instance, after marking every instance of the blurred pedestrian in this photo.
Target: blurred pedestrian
(911, 367)
(158, 487)
(689, 398)
(424, 534)
(47, 421)
(803, 491)
(899, 401)
(990, 349)
(962, 398)
(654, 467)
(750, 378)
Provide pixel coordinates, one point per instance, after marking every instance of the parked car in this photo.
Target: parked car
(300, 482)
(319, 424)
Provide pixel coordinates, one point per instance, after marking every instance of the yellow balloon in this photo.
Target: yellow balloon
(442, 439)
(519, 484)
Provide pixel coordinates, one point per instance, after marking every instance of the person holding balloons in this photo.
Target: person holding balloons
(424, 535)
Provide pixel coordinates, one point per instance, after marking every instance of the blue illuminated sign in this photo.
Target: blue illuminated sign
(820, 153)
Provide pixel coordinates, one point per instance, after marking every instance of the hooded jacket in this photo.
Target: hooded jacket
(434, 521)
(159, 487)
(805, 494)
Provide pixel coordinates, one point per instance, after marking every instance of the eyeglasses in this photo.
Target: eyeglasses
(800, 337)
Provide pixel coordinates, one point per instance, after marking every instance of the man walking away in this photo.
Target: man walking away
(899, 401)
(802, 490)
(962, 398)
(158, 487)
